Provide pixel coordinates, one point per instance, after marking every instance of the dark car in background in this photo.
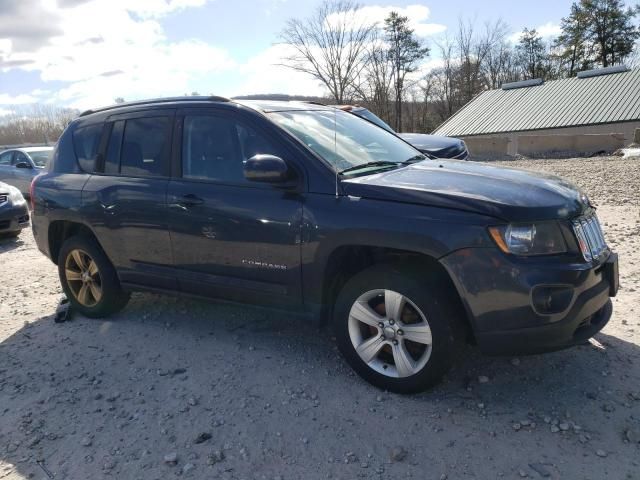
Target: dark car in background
(19, 166)
(14, 213)
(313, 210)
(436, 146)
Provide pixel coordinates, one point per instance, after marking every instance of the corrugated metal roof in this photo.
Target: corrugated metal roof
(570, 102)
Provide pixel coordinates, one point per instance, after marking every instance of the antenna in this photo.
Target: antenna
(335, 145)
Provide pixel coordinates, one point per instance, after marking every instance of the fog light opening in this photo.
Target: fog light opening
(549, 300)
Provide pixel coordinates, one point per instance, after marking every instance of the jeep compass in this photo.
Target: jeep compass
(314, 210)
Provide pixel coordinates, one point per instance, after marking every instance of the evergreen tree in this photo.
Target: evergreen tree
(597, 31)
(532, 54)
(611, 29)
(573, 43)
(405, 51)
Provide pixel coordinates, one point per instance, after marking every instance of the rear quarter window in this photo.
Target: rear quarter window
(86, 141)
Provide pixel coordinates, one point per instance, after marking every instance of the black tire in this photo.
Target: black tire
(113, 298)
(426, 292)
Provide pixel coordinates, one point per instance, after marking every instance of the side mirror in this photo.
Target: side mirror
(266, 169)
(23, 165)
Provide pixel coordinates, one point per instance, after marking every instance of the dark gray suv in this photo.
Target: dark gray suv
(313, 210)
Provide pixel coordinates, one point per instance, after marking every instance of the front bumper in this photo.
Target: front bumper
(13, 218)
(499, 293)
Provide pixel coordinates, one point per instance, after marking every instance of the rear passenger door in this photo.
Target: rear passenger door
(127, 197)
(232, 238)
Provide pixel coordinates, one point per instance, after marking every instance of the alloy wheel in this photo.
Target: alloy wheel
(390, 333)
(83, 278)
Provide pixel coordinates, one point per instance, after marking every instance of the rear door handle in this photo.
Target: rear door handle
(190, 200)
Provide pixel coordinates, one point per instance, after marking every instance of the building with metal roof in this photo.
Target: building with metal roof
(604, 102)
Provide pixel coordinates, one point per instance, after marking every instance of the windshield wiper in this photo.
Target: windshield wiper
(418, 158)
(379, 163)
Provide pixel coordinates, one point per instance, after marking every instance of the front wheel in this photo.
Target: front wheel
(394, 328)
(88, 278)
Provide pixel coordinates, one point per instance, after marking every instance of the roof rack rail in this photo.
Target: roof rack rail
(211, 98)
(522, 84)
(596, 72)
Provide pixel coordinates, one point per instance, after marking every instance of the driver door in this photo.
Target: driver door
(22, 176)
(232, 238)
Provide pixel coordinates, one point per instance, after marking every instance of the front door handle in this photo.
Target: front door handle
(190, 200)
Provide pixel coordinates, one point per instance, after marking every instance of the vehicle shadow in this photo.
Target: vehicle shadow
(8, 243)
(110, 398)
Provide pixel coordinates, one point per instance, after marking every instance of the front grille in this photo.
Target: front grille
(4, 198)
(590, 236)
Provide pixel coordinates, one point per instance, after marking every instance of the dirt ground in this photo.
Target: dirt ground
(179, 388)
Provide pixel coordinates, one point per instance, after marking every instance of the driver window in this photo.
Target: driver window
(20, 157)
(215, 148)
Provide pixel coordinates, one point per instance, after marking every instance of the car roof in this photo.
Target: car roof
(26, 149)
(264, 106)
(33, 149)
(268, 106)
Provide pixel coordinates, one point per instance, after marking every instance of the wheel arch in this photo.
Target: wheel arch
(347, 260)
(60, 230)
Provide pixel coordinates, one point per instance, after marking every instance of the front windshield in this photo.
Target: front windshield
(41, 157)
(344, 140)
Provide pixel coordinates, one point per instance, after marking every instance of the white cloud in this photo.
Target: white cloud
(547, 31)
(22, 99)
(103, 49)
(156, 8)
(4, 112)
(106, 52)
(417, 14)
(265, 74)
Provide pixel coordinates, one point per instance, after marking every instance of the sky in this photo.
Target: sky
(85, 53)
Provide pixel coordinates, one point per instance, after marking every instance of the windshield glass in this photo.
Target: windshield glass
(41, 157)
(342, 139)
(372, 117)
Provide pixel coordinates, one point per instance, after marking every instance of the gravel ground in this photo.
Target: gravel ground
(173, 387)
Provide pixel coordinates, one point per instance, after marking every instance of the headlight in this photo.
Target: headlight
(543, 238)
(15, 196)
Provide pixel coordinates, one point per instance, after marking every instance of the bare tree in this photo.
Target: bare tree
(442, 80)
(330, 46)
(377, 78)
(34, 124)
(473, 49)
(499, 64)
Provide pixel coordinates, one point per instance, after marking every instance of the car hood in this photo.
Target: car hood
(507, 193)
(437, 145)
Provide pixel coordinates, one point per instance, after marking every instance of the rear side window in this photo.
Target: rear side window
(145, 146)
(85, 143)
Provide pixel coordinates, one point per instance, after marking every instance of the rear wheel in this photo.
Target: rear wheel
(394, 328)
(88, 278)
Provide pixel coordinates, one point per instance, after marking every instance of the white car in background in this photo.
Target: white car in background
(18, 166)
